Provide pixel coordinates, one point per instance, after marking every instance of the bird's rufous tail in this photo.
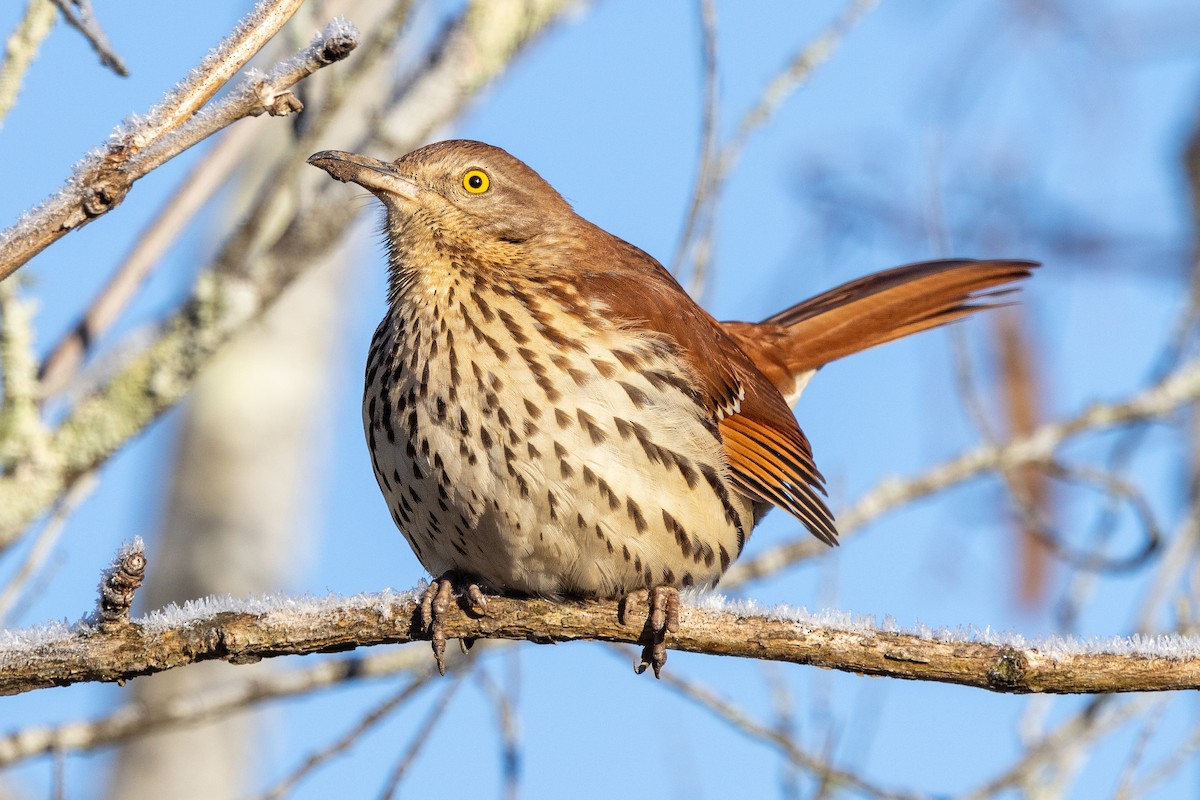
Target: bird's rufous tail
(871, 311)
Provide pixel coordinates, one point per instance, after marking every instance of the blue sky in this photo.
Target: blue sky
(1011, 128)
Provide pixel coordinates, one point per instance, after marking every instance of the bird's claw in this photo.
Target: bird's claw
(662, 618)
(435, 604)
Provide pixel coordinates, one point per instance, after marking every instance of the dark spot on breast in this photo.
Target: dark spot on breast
(636, 396)
(514, 329)
(635, 513)
(630, 361)
(548, 388)
(483, 306)
(386, 419)
(676, 530)
(606, 491)
(589, 424)
(605, 368)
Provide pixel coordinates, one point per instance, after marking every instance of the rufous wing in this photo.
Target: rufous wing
(769, 456)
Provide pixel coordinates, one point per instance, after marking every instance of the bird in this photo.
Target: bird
(549, 413)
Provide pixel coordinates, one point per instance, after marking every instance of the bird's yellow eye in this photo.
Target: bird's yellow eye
(476, 181)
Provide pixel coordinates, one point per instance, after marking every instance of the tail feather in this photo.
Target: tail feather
(871, 311)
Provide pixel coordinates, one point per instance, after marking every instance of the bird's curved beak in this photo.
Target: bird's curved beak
(370, 173)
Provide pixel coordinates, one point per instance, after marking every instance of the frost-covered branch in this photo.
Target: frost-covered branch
(101, 181)
(250, 630)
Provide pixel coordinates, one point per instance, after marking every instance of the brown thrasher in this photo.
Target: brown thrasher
(549, 413)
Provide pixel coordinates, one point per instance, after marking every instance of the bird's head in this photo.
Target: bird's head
(469, 193)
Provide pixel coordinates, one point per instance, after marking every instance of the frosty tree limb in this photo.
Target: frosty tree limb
(248, 631)
(101, 181)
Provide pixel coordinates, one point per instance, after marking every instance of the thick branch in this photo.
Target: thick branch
(256, 630)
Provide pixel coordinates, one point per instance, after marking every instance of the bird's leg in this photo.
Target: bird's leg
(661, 619)
(435, 603)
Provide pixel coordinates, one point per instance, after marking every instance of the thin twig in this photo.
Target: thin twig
(698, 235)
(79, 15)
(701, 194)
(785, 744)
(196, 189)
(375, 716)
(100, 182)
(1098, 717)
(131, 722)
(786, 82)
(420, 738)
(1179, 554)
(505, 701)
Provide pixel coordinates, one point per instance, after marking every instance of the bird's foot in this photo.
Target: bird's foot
(435, 604)
(661, 619)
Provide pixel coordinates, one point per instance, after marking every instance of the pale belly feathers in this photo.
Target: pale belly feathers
(573, 467)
